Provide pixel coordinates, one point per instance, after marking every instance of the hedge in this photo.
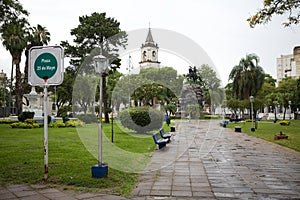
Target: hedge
(141, 119)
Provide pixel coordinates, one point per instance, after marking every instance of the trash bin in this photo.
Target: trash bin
(172, 128)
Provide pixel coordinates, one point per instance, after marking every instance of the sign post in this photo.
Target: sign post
(46, 68)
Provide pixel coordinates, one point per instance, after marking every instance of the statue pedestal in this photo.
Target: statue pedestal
(34, 102)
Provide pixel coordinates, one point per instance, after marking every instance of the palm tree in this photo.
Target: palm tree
(38, 36)
(10, 9)
(247, 77)
(14, 34)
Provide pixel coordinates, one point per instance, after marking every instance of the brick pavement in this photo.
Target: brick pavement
(207, 161)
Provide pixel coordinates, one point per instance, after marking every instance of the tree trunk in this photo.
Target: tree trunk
(26, 86)
(10, 93)
(19, 93)
(105, 100)
(284, 113)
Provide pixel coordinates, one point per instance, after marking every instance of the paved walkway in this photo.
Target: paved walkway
(203, 161)
(212, 162)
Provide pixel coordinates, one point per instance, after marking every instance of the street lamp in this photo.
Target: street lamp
(113, 67)
(224, 109)
(252, 114)
(129, 68)
(100, 170)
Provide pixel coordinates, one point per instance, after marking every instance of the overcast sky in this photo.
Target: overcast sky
(218, 26)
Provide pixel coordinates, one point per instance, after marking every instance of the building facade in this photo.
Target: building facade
(289, 65)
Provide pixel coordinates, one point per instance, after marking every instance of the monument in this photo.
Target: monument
(34, 102)
(191, 95)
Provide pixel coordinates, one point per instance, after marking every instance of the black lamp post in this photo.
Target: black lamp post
(113, 67)
(100, 170)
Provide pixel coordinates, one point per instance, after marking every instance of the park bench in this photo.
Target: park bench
(165, 135)
(159, 141)
(224, 123)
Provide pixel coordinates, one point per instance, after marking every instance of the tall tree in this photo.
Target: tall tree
(214, 95)
(286, 92)
(10, 9)
(209, 77)
(112, 79)
(247, 77)
(64, 91)
(270, 80)
(95, 34)
(84, 87)
(265, 91)
(277, 7)
(14, 36)
(38, 36)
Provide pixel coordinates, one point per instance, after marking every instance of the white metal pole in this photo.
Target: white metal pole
(252, 115)
(45, 133)
(100, 123)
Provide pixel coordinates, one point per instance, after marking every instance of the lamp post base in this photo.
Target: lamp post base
(253, 129)
(100, 171)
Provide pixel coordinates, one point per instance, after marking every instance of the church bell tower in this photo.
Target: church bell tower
(149, 52)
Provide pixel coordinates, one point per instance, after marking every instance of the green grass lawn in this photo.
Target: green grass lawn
(70, 162)
(267, 129)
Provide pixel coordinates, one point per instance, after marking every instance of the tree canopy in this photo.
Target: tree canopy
(247, 77)
(14, 39)
(11, 9)
(17, 36)
(277, 7)
(95, 32)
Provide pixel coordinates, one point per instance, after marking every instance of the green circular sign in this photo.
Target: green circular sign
(45, 65)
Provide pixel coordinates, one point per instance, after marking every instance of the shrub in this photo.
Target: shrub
(29, 121)
(211, 116)
(36, 125)
(98, 120)
(15, 125)
(284, 122)
(60, 124)
(141, 119)
(8, 121)
(70, 124)
(25, 125)
(25, 115)
(88, 118)
(78, 123)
